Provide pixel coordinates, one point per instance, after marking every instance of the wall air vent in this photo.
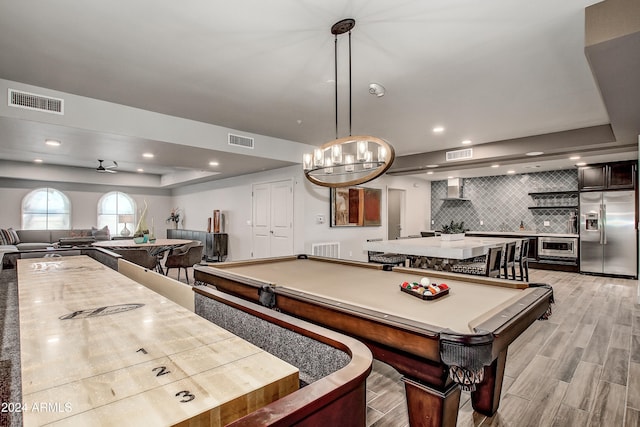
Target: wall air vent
(32, 101)
(464, 154)
(240, 141)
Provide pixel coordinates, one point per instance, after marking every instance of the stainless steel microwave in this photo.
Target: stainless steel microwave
(558, 247)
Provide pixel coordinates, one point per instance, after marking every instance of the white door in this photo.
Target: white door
(273, 219)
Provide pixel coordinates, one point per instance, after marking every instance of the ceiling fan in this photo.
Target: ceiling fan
(109, 169)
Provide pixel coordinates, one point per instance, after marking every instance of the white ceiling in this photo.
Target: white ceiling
(487, 70)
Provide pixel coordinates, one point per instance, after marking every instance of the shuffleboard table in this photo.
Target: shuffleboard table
(456, 341)
(98, 348)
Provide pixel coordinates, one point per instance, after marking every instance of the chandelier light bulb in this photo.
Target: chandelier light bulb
(348, 163)
(318, 157)
(362, 149)
(336, 154)
(307, 161)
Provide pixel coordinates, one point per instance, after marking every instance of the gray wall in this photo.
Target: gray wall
(501, 202)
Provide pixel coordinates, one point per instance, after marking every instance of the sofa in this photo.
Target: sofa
(24, 240)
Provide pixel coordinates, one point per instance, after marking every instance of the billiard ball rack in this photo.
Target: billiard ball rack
(418, 291)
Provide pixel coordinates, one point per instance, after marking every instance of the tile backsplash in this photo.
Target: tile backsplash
(501, 202)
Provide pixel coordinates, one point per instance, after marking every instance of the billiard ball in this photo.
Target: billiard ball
(425, 281)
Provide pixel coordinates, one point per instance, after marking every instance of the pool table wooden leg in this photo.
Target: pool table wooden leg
(428, 407)
(486, 398)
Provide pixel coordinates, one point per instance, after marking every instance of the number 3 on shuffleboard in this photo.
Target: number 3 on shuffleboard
(186, 396)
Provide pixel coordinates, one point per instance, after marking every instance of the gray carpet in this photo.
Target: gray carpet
(10, 381)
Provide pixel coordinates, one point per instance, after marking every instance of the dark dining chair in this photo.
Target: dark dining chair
(184, 257)
(139, 256)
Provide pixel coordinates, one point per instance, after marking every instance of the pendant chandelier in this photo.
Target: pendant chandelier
(351, 160)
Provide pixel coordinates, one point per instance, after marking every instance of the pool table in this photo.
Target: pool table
(458, 341)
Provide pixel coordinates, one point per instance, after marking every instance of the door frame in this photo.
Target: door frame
(403, 204)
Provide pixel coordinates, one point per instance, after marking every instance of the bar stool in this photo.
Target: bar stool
(509, 260)
(522, 258)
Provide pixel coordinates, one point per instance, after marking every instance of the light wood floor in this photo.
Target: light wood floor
(579, 368)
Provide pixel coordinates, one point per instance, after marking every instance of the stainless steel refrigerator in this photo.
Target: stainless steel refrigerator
(608, 233)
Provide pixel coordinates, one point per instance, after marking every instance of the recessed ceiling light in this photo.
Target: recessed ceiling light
(140, 170)
(535, 153)
(574, 157)
(37, 160)
(449, 177)
(148, 155)
(581, 164)
(432, 166)
(466, 142)
(430, 173)
(511, 171)
(213, 163)
(495, 166)
(438, 129)
(52, 142)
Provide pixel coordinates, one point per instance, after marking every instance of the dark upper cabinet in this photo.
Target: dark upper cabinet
(622, 175)
(610, 176)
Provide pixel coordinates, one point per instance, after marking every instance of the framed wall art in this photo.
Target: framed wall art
(355, 207)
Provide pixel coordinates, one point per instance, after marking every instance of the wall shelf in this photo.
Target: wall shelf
(554, 207)
(562, 199)
(554, 193)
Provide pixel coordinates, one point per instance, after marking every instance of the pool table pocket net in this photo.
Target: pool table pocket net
(466, 357)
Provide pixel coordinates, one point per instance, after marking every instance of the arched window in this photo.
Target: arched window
(117, 211)
(46, 209)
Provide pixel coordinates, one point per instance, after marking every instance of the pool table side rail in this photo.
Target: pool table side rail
(333, 396)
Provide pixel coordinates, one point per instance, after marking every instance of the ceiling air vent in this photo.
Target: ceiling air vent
(464, 154)
(31, 101)
(240, 141)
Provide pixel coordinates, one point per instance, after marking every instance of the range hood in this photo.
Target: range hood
(454, 189)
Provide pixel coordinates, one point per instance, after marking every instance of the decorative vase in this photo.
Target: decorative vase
(138, 240)
(452, 237)
(142, 227)
(216, 221)
(152, 235)
(209, 225)
(125, 231)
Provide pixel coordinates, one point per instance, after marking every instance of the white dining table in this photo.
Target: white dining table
(435, 247)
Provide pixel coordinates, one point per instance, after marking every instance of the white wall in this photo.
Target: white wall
(233, 197)
(84, 201)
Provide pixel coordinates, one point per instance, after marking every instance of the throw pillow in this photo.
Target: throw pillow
(5, 237)
(14, 236)
(101, 233)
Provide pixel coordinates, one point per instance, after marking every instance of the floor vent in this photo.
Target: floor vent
(330, 249)
(464, 154)
(240, 141)
(32, 101)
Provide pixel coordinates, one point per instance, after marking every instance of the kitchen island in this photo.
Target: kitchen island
(435, 247)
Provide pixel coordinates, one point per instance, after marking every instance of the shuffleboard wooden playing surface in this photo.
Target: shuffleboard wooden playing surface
(98, 348)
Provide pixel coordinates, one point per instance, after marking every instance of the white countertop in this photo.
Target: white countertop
(468, 247)
(531, 233)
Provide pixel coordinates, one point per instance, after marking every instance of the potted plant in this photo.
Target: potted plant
(453, 231)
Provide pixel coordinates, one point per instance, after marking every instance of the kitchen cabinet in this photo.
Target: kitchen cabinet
(609, 176)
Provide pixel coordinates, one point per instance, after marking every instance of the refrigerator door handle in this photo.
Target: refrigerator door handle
(601, 224)
(603, 217)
